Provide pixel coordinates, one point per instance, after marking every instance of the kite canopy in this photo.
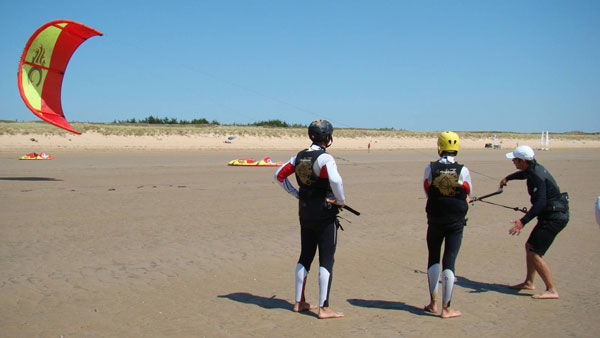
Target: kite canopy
(43, 66)
(250, 162)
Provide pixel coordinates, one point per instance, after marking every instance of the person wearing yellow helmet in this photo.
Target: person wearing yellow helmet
(448, 141)
(448, 188)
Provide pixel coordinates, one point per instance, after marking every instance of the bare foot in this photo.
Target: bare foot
(325, 312)
(523, 286)
(548, 294)
(450, 313)
(431, 308)
(303, 306)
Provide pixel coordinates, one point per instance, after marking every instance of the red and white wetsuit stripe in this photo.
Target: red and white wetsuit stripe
(464, 177)
(326, 167)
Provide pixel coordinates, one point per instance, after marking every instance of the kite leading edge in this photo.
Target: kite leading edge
(43, 64)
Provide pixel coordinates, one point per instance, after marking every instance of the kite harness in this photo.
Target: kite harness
(337, 220)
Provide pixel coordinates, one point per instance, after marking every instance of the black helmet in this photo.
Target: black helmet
(319, 130)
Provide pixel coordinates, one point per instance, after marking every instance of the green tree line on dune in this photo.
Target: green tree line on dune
(202, 121)
(277, 123)
(166, 120)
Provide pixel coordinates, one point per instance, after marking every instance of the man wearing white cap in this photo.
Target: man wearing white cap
(551, 209)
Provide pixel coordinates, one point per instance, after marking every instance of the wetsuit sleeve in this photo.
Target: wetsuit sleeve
(464, 180)
(327, 162)
(281, 176)
(519, 175)
(427, 179)
(538, 199)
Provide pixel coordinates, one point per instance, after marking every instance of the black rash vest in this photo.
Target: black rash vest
(446, 200)
(541, 187)
(314, 190)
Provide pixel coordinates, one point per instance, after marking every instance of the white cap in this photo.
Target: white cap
(522, 152)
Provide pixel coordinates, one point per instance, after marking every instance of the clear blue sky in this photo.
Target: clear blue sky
(521, 66)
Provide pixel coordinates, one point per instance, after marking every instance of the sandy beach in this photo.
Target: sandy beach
(150, 237)
(98, 141)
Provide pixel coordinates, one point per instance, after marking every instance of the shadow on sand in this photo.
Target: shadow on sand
(28, 179)
(388, 305)
(264, 302)
(479, 287)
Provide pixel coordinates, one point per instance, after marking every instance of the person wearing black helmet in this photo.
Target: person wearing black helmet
(448, 187)
(321, 196)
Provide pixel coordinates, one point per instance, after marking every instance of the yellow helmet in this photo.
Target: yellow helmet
(448, 141)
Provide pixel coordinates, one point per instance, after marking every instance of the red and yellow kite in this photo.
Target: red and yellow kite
(43, 64)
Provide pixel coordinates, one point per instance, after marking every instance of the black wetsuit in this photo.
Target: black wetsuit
(318, 222)
(547, 204)
(446, 210)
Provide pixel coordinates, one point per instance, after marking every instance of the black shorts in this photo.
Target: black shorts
(543, 234)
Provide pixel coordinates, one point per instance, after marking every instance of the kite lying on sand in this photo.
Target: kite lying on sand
(250, 162)
(43, 64)
(36, 156)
